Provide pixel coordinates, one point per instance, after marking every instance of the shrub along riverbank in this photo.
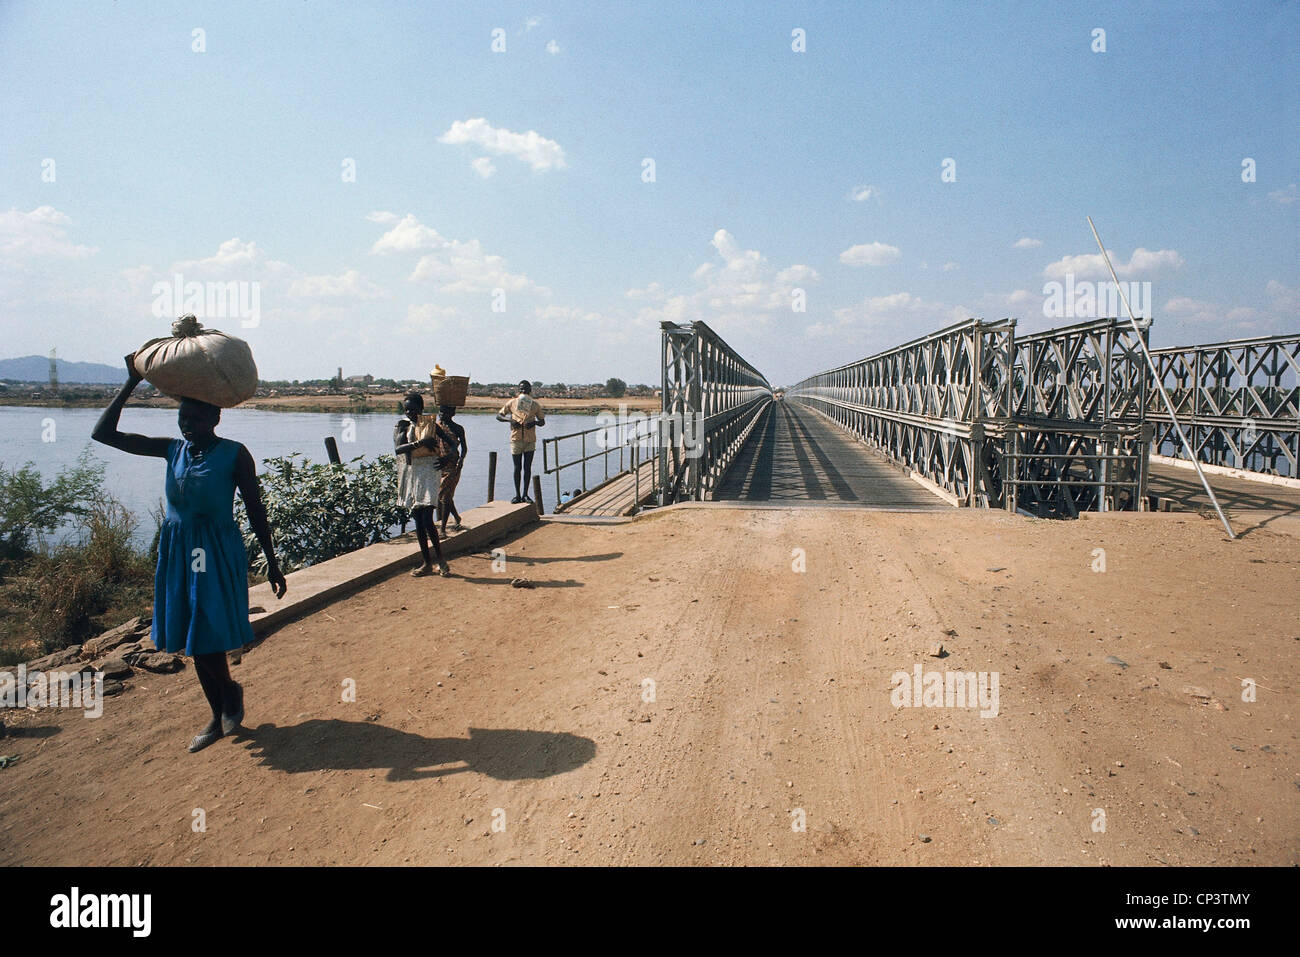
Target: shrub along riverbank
(69, 570)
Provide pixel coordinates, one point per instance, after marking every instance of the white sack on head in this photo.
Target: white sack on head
(198, 363)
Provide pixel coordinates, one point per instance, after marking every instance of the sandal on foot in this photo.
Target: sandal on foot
(444, 571)
(422, 571)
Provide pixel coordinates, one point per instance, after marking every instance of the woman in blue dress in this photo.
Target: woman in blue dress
(200, 605)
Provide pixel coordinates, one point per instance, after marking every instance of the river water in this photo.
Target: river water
(53, 438)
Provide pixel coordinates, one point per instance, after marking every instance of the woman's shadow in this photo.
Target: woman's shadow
(502, 753)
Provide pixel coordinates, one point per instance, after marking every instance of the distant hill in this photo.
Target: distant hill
(37, 369)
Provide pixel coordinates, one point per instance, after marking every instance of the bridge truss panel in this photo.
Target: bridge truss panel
(712, 397)
(1238, 402)
(1050, 422)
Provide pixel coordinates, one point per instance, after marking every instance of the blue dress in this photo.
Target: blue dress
(200, 602)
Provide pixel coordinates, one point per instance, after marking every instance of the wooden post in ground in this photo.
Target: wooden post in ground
(332, 449)
(537, 494)
(492, 475)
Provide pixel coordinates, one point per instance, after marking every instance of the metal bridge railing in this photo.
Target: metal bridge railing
(927, 404)
(711, 399)
(1238, 402)
(623, 446)
(1050, 422)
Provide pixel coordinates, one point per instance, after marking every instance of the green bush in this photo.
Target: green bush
(30, 508)
(62, 588)
(318, 511)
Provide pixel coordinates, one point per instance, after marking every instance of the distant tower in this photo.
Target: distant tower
(54, 371)
(340, 376)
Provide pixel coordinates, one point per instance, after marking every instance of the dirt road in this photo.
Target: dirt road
(507, 725)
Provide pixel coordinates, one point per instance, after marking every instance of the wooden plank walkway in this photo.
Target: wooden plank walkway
(795, 457)
(615, 497)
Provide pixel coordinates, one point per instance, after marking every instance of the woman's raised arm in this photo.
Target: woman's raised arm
(107, 432)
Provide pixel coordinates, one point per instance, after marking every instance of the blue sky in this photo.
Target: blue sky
(514, 179)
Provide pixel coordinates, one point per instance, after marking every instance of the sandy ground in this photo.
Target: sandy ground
(505, 725)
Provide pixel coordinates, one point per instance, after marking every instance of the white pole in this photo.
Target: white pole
(1155, 375)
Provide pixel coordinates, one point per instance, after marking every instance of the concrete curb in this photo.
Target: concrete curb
(310, 588)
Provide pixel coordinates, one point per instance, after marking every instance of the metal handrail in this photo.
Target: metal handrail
(625, 439)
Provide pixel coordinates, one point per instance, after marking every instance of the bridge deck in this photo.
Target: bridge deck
(794, 456)
(1183, 488)
(617, 496)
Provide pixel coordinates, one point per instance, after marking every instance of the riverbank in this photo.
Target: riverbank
(342, 403)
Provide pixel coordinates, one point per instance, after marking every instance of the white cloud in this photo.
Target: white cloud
(654, 291)
(738, 289)
(41, 233)
(1141, 265)
(456, 266)
(798, 274)
(860, 194)
(870, 254)
(531, 147)
(1223, 321)
(891, 320)
(234, 258)
(950, 266)
(483, 166)
(532, 23)
(1146, 261)
(350, 285)
(1284, 298)
(381, 216)
(408, 235)
(1199, 312)
(552, 47)
(1021, 296)
(742, 262)
(1025, 242)
(431, 314)
(1285, 196)
(462, 267)
(138, 277)
(566, 314)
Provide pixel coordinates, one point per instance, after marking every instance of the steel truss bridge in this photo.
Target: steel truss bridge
(1053, 423)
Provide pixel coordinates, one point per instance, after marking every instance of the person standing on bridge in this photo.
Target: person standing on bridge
(200, 599)
(524, 413)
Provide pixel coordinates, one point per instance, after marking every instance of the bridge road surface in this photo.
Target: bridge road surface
(795, 456)
(1183, 488)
